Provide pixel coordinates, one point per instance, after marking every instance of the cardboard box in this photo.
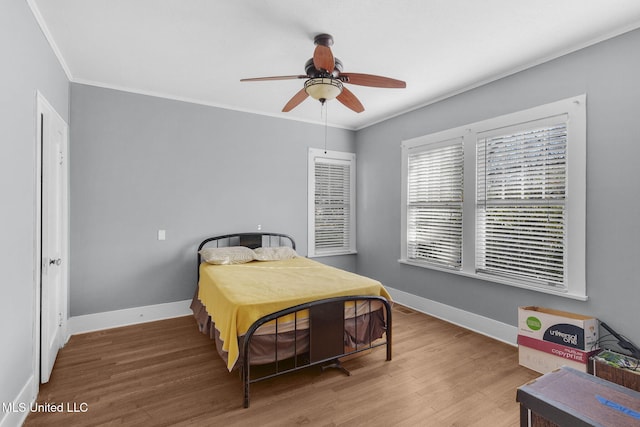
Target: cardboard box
(549, 339)
(559, 327)
(543, 356)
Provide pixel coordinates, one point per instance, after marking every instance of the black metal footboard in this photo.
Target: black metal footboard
(330, 336)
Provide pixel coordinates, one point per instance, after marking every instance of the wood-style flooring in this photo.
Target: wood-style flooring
(166, 373)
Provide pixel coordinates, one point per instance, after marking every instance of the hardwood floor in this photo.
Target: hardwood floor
(167, 373)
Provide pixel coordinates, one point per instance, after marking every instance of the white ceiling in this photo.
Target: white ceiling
(198, 50)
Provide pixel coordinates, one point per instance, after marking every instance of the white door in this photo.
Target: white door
(54, 271)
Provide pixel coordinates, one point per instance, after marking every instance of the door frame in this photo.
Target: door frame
(42, 107)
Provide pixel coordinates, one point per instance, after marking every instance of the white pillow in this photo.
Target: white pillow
(227, 255)
(275, 253)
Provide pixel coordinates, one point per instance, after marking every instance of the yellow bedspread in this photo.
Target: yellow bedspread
(237, 295)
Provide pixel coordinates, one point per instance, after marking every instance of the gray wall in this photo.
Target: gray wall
(28, 65)
(140, 163)
(609, 74)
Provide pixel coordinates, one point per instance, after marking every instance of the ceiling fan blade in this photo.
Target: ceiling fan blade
(371, 80)
(295, 101)
(349, 100)
(323, 58)
(260, 79)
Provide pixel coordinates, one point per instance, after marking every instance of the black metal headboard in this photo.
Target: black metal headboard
(250, 240)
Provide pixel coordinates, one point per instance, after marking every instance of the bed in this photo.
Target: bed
(271, 312)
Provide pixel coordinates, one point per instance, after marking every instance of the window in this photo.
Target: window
(332, 199)
(521, 202)
(502, 199)
(434, 205)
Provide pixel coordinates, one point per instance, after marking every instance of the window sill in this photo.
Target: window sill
(332, 254)
(473, 275)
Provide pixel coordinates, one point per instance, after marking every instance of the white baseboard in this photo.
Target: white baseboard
(474, 322)
(128, 316)
(131, 316)
(17, 411)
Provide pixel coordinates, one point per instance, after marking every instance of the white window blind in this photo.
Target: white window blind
(521, 214)
(332, 203)
(434, 204)
(332, 210)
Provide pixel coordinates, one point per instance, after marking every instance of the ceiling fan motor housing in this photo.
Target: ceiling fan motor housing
(312, 71)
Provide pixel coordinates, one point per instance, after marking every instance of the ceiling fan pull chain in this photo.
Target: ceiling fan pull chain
(324, 105)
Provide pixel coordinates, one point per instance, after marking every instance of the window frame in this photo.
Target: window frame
(336, 157)
(575, 227)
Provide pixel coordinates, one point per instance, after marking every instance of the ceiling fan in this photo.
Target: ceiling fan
(325, 79)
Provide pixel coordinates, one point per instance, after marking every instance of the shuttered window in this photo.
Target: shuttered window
(502, 200)
(521, 178)
(434, 204)
(331, 203)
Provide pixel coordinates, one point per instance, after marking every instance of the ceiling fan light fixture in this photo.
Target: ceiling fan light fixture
(322, 88)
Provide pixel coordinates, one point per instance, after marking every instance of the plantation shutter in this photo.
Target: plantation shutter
(333, 205)
(434, 204)
(521, 202)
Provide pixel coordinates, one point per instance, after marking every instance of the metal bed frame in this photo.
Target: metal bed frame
(326, 332)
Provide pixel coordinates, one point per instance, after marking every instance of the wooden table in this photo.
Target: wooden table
(567, 397)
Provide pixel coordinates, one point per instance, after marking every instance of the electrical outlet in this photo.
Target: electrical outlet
(162, 234)
(259, 227)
